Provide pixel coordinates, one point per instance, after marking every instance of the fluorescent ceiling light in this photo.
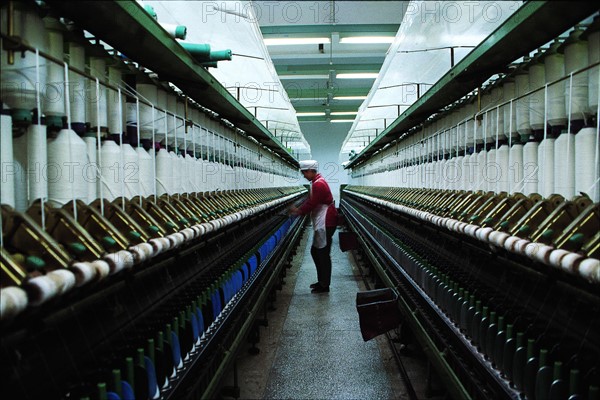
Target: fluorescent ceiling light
(358, 75)
(367, 39)
(344, 113)
(295, 41)
(349, 97)
(309, 114)
(300, 76)
(342, 120)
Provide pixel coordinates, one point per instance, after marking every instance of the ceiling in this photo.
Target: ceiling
(310, 72)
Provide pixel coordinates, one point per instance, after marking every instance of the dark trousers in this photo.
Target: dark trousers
(322, 259)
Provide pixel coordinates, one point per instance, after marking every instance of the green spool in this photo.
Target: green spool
(577, 238)
(108, 241)
(134, 235)
(76, 247)
(33, 262)
(171, 225)
(150, 10)
(198, 51)
(220, 55)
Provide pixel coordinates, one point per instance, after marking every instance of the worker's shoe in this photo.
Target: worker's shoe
(320, 289)
(314, 285)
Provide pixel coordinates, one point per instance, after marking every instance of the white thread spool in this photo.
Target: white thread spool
(546, 163)
(31, 153)
(190, 165)
(509, 128)
(594, 73)
(537, 79)
(458, 175)
(491, 172)
(586, 142)
(91, 166)
(20, 164)
(498, 124)
(77, 83)
(489, 119)
(171, 120)
(7, 164)
(111, 170)
(148, 92)
(117, 116)
(576, 90)
(84, 273)
(175, 172)
(502, 168)
(564, 165)
(159, 127)
(67, 154)
(530, 168)
(131, 171)
(199, 171)
(20, 79)
(467, 172)
(515, 170)
(53, 104)
(521, 107)
(146, 172)
(63, 279)
(164, 172)
(13, 301)
(554, 65)
(41, 289)
(96, 111)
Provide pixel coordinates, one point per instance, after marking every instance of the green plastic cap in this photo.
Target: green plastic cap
(153, 228)
(198, 50)
(577, 238)
(21, 115)
(180, 32)
(171, 225)
(34, 262)
(76, 247)
(547, 234)
(134, 235)
(150, 10)
(220, 55)
(108, 241)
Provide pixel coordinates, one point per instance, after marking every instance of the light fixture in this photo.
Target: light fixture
(295, 41)
(357, 75)
(349, 97)
(344, 113)
(341, 120)
(300, 76)
(367, 39)
(310, 114)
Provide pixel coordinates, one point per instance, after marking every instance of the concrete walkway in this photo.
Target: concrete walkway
(312, 347)
(321, 353)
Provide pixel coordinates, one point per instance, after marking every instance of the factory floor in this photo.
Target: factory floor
(312, 347)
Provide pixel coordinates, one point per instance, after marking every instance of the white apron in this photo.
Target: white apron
(318, 215)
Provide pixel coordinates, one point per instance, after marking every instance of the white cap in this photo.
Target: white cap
(309, 164)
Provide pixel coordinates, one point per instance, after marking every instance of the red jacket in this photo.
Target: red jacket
(321, 194)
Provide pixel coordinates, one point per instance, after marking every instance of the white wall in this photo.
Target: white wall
(325, 140)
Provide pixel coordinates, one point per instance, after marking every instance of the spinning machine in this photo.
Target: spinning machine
(480, 206)
(144, 224)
